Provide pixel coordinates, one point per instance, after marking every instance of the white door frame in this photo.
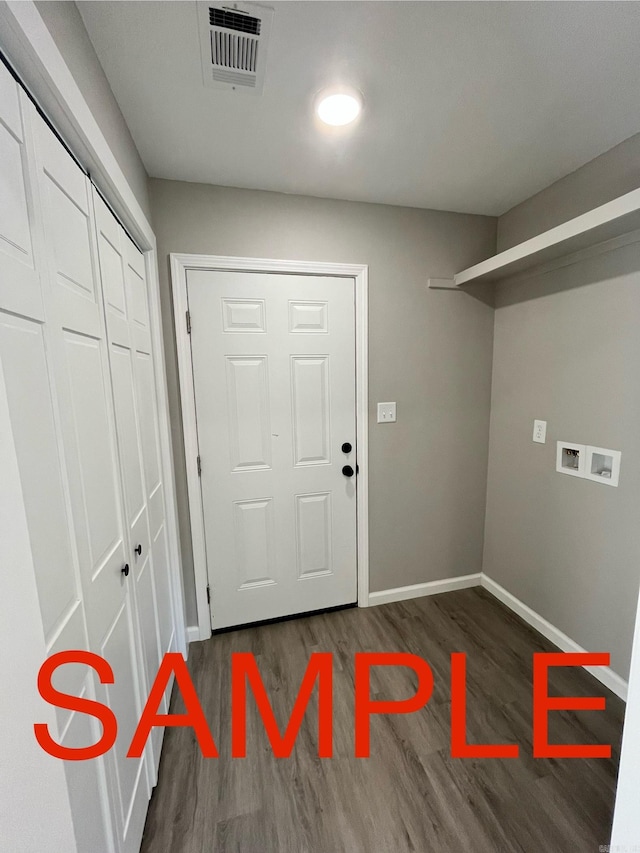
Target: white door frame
(30, 48)
(358, 272)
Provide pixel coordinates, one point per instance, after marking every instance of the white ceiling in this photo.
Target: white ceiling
(469, 106)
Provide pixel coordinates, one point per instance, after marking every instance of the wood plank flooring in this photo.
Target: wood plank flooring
(410, 795)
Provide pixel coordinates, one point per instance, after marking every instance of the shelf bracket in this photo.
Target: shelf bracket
(442, 284)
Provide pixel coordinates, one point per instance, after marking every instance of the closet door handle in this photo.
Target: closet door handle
(348, 471)
(138, 550)
(125, 570)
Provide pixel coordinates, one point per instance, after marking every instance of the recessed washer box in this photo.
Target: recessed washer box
(602, 465)
(570, 458)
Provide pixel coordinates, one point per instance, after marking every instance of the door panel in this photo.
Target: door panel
(310, 394)
(80, 366)
(117, 650)
(274, 377)
(248, 407)
(69, 232)
(160, 555)
(313, 534)
(20, 290)
(255, 543)
(123, 394)
(97, 484)
(148, 424)
(22, 350)
(14, 216)
(41, 275)
(55, 358)
(133, 383)
(83, 782)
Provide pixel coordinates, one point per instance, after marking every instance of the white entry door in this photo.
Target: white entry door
(274, 378)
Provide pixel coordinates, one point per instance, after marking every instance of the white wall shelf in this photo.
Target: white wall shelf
(613, 219)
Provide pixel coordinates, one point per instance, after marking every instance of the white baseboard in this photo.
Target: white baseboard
(193, 633)
(605, 675)
(417, 590)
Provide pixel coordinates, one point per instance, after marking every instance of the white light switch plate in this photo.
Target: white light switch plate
(386, 413)
(540, 431)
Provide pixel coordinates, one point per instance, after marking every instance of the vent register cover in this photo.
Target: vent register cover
(233, 42)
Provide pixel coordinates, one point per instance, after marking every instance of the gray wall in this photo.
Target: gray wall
(567, 350)
(614, 173)
(67, 29)
(565, 347)
(429, 350)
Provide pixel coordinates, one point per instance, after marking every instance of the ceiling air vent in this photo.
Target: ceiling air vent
(234, 42)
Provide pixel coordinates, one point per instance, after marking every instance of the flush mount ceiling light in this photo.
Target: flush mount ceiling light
(338, 107)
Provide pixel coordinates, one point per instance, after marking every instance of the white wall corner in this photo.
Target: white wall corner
(605, 675)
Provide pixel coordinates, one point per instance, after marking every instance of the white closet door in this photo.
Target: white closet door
(72, 302)
(126, 308)
(25, 352)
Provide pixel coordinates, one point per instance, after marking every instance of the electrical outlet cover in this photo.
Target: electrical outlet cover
(540, 432)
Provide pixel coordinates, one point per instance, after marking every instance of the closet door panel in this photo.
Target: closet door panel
(150, 440)
(31, 352)
(160, 552)
(14, 216)
(122, 333)
(144, 583)
(117, 650)
(19, 279)
(22, 350)
(136, 284)
(145, 384)
(143, 568)
(66, 202)
(94, 485)
(156, 510)
(69, 223)
(137, 297)
(80, 354)
(112, 275)
(125, 405)
(83, 782)
(129, 333)
(148, 629)
(148, 422)
(71, 677)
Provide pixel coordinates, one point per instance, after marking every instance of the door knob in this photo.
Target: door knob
(138, 550)
(347, 471)
(125, 570)
(346, 447)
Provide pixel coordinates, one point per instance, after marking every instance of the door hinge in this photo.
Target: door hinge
(199, 467)
(188, 317)
(208, 594)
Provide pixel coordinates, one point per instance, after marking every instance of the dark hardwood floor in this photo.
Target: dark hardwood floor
(410, 795)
